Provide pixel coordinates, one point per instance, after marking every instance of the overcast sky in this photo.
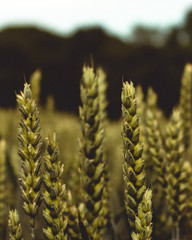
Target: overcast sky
(118, 17)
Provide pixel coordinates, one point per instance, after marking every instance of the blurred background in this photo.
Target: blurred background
(147, 42)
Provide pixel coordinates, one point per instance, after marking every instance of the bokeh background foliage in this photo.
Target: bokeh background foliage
(148, 57)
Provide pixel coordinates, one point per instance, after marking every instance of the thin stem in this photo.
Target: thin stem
(173, 234)
(33, 233)
(177, 233)
(32, 224)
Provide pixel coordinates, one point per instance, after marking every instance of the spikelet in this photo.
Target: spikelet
(133, 167)
(3, 202)
(143, 222)
(176, 173)
(15, 231)
(30, 149)
(54, 194)
(35, 82)
(185, 103)
(91, 153)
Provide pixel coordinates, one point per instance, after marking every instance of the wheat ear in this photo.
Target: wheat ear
(35, 82)
(3, 205)
(155, 152)
(15, 231)
(185, 103)
(143, 222)
(133, 166)
(102, 89)
(91, 153)
(30, 149)
(176, 173)
(103, 103)
(54, 194)
(73, 229)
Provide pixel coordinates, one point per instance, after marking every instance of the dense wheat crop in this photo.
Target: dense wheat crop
(88, 178)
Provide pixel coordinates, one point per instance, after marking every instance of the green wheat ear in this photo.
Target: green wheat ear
(15, 231)
(133, 167)
(54, 195)
(143, 222)
(91, 153)
(30, 149)
(185, 103)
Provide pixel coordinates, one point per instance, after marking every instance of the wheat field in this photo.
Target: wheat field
(64, 176)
